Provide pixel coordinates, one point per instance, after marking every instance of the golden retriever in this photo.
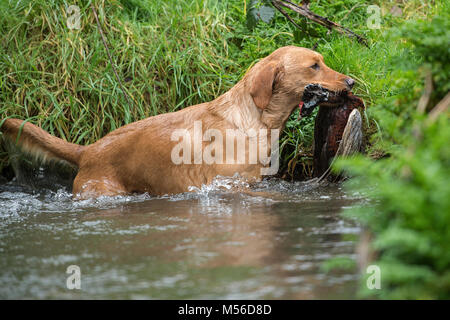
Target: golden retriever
(139, 157)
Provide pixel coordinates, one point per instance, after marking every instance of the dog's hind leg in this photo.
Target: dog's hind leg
(95, 187)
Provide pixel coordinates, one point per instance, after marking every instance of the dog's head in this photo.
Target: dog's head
(277, 83)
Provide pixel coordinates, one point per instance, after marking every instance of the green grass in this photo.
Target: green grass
(63, 80)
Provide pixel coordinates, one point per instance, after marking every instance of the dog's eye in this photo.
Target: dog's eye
(315, 66)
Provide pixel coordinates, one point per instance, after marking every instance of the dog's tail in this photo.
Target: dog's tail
(38, 142)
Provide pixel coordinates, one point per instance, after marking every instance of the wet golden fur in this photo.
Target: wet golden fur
(137, 157)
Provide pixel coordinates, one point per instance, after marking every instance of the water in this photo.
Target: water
(213, 242)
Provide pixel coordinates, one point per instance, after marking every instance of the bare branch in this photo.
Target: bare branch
(441, 107)
(425, 98)
(286, 15)
(304, 11)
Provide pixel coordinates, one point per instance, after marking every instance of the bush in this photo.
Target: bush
(410, 215)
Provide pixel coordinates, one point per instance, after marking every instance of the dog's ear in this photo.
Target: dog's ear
(262, 84)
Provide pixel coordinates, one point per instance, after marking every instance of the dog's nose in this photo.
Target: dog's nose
(350, 82)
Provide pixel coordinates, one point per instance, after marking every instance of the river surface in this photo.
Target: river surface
(211, 243)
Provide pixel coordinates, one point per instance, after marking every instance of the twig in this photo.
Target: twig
(441, 107)
(110, 58)
(286, 15)
(425, 98)
(304, 11)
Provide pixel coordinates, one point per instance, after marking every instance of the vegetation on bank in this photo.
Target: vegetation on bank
(410, 217)
(175, 53)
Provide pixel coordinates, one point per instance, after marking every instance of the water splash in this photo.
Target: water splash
(17, 199)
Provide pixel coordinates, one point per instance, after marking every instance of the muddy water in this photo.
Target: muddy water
(210, 243)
